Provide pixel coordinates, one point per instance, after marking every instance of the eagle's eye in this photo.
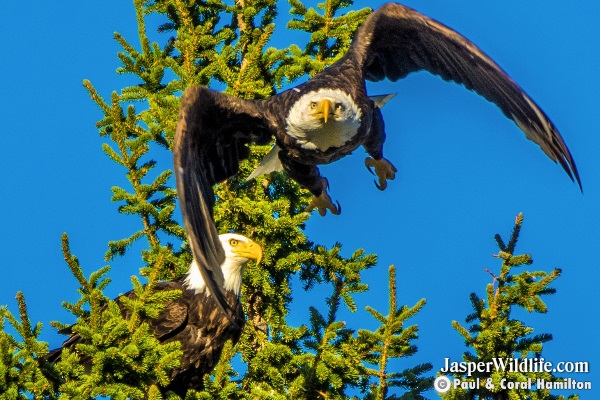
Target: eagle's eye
(313, 105)
(339, 107)
(233, 242)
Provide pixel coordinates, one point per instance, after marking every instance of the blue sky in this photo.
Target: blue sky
(465, 171)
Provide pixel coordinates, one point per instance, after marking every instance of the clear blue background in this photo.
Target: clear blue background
(465, 171)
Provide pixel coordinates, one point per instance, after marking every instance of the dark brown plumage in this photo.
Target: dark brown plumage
(331, 114)
(202, 329)
(195, 319)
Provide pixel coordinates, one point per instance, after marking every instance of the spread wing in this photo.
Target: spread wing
(211, 138)
(396, 40)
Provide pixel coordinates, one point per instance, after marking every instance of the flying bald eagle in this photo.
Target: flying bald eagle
(330, 115)
(195, 319)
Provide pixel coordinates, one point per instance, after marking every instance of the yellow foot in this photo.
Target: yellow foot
(323, 202)
(383, 169)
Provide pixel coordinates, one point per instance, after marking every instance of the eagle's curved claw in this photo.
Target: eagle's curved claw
(323, 202)
(383, 169)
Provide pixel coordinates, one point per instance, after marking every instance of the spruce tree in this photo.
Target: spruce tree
(225, 46)
(494, 333)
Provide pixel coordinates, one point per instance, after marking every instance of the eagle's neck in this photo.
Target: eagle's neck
(315, 136)
(232, 273)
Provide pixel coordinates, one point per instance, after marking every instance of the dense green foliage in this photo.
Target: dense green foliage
(226, 46)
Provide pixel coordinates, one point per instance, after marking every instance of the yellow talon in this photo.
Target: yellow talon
(383, 169)
(323, 202)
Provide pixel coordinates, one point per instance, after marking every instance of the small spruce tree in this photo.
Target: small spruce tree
(495, 334)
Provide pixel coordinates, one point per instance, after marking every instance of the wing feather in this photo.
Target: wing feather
(212, 133)
(396, 40)
(174, 316)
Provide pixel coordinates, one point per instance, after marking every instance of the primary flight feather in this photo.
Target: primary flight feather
(330, 115)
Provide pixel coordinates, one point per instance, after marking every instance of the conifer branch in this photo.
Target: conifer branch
(22, 369)
(393, 340)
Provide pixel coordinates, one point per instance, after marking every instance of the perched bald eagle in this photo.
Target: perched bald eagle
(330, 115)
(195, 319)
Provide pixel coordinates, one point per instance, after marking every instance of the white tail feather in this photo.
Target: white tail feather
(270, 163)
(382, 99)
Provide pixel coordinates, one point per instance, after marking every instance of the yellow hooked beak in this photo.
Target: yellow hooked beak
(324, 109)
(250, 250)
